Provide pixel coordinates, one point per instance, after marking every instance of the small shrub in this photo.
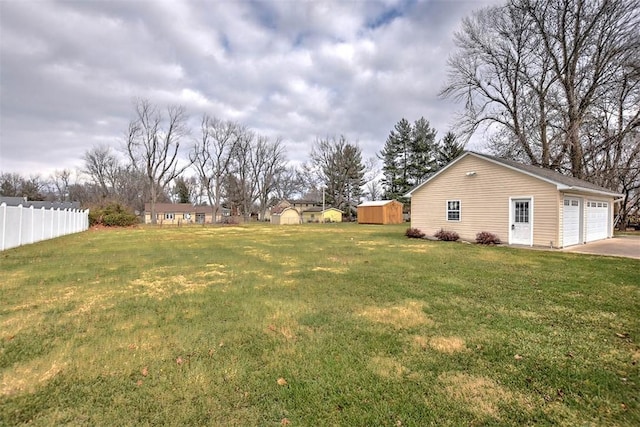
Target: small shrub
(447, 235)
(486, 238)
(111, 215)
(414, 233)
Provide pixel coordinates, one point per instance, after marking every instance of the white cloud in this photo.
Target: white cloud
(296, 70)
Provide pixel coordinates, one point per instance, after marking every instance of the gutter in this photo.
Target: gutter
(589, 190)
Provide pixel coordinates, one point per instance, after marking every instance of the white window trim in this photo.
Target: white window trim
(446, 211)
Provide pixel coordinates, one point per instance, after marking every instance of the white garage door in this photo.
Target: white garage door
(571, 222)
(597, 220)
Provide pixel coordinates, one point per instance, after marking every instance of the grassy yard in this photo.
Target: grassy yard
(313, 325)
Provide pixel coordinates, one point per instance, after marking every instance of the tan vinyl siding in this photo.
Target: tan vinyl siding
(484, 201)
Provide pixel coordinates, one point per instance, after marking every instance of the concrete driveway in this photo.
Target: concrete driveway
(622, 246)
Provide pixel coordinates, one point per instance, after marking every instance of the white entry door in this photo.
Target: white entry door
(521, 222)
(571, 222)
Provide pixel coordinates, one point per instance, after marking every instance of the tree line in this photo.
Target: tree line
(553, 83)
(225, 164)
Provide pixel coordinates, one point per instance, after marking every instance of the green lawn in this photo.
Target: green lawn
(313, 325)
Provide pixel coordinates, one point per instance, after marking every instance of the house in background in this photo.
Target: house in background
(521, 204)
(299, 211)
(380, 212)
(183, 213)
(316, 214)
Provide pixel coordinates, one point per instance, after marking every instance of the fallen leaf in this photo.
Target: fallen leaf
(179, 360)
(517, 357)
(271, 328)
(144, 371)
(624, 335)
(285, 422)
(281, 381)
(139, 383)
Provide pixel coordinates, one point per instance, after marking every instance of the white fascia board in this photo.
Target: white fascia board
(565, 188)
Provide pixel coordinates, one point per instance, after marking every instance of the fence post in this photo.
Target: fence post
(20, 224)
(3, 208)
(31, 238)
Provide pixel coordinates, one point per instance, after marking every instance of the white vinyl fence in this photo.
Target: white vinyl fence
(22, 226)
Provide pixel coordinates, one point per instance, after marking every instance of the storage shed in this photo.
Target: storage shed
(287, 216)
(380, 212)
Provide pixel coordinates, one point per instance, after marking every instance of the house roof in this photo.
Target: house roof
(319, 209)
(562, 182)
(376, 203)
(280, 211)
(177, 208)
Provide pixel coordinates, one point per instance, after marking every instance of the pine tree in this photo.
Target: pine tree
(395, 156)
(409, 157)
(422, 152)
(449, 149)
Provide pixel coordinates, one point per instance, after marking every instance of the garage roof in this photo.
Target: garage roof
(563, 182)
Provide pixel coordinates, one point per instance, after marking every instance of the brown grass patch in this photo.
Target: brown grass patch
(483, 396)
(262, 255)
(447, 345)
(158, 284)
(478, 395)
(330, 270)
(416, 249)
(387, 367)
(27, 377)
(408, 315)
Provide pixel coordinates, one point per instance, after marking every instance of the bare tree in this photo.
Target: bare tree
(339, 166)
(212, 156)
(541, 69)
(268, 161)
(153, 141)
(240, 186)
(60, 181)
(11, 184)
(102, 167)
(289, 183)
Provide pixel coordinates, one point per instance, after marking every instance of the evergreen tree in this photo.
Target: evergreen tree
(422, 152)
(409, 157)
(396, 156)
(182, 191)
(449, 149)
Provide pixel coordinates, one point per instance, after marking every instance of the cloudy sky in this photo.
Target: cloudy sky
(299, 70)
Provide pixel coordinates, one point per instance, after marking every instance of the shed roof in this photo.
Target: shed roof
(562, 182)
(376, 203)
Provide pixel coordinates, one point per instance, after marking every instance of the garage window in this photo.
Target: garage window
(453, 210)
